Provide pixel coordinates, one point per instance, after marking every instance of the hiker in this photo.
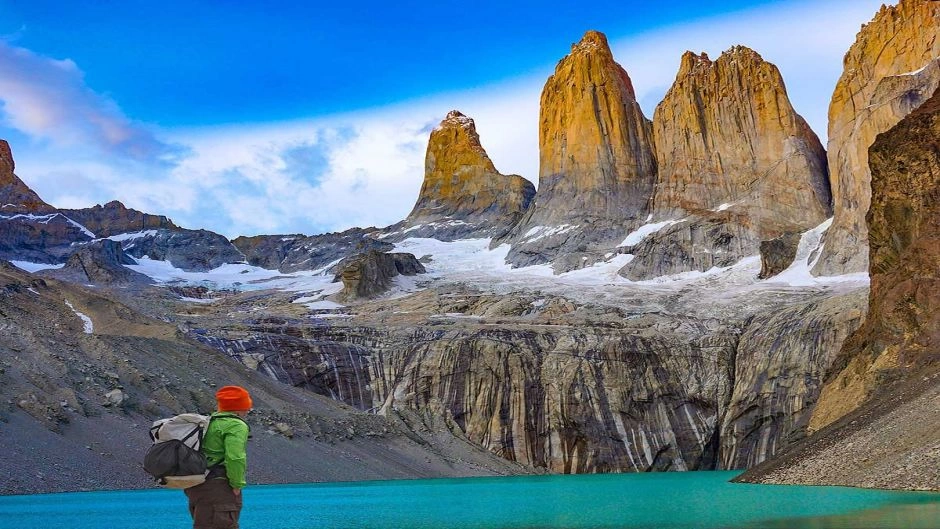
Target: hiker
(217, 503)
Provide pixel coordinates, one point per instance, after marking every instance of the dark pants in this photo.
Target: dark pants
(213, 505)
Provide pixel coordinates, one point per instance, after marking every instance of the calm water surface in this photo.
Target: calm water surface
(679, 500)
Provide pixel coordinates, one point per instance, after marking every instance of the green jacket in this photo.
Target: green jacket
(225, 442)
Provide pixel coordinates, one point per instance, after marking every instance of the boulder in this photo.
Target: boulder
(370, 274)
(101, 263)
(776, 255)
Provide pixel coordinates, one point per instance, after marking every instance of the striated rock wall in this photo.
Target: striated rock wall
(573, 388)
(463, 195)
(902, 332)
(780, 363)
(596, 159)
(889, 71)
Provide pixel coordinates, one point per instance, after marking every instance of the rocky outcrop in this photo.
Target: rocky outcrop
(889, 71)
(292, 253)
(30, 229)
(596, 160)
(902, 331)
(737, 166)
(690, 244)
(191, 250)
(463, 195)
(371, 274)
(776, 255)
(99, 263)
(114, 218)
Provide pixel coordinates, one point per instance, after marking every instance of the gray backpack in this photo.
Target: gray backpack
(175, 459)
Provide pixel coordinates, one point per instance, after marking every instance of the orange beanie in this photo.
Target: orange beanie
(233, 398)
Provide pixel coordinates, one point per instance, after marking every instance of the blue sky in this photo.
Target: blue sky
(282, 118)
(194, 63)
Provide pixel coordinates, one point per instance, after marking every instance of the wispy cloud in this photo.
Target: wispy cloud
(365, 168)
(47, 98)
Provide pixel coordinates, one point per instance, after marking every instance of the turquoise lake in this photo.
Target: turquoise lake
(672, 500)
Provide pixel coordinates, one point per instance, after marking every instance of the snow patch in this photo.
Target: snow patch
(133, 235)
(35, 267)
(45, 219)
(540, 232)
(799, 273)
(723, 206)
(636, 237)
(87, 325)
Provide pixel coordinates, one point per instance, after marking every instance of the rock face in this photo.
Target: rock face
(463, 195)
(596, 159)
(737, 166)
(780, 363)
(101, 263)
(370, 274)
(291, 253)
(902, 332)
(16, 196)
(114, 218)
(889, 71)
(191, 250)
(728, 139)
(30, 229)
(573, 388)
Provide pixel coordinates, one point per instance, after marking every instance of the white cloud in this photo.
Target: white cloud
(48, 99)
(365, 168)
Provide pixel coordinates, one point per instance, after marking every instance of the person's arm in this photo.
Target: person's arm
(235, 440)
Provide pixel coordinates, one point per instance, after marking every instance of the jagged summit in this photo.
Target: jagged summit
(596, 160)
(463, 194)
(458, 119)
(737, 166)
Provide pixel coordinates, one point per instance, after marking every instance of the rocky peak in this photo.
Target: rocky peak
(889, 71)
(728, 139)
(6, 164)
(596, 158)
(737, 166)
(463, 194)
(15, 195)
